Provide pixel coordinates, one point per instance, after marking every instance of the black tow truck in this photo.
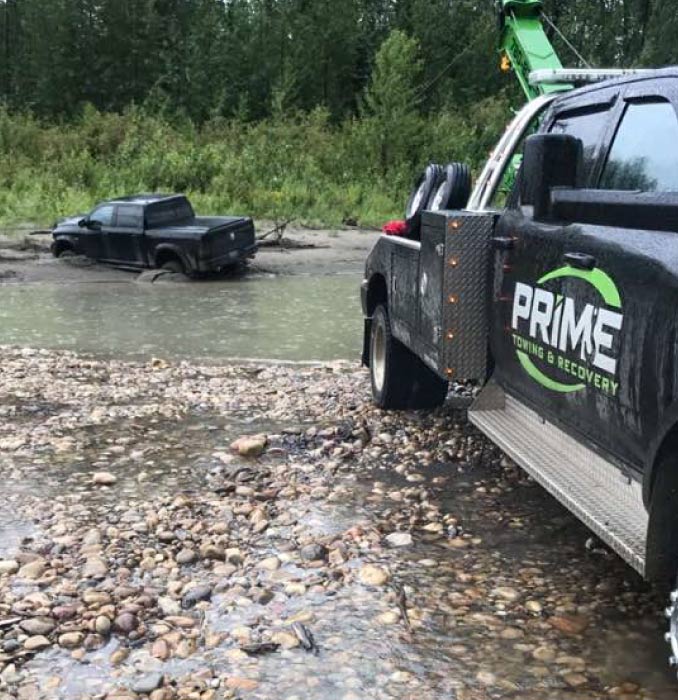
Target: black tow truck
(557, 295)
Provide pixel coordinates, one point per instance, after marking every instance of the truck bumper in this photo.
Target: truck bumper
(232, 257)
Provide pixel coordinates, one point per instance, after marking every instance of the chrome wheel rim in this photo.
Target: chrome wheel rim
(672, 635)
(378, 364)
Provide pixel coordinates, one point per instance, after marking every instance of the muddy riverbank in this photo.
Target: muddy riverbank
(25, 259)
(338, 552)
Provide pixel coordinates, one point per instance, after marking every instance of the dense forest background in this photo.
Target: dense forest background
(318, 109)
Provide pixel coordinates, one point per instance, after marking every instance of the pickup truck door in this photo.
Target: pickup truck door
(124, 240)
(560, 336)
(92, 236)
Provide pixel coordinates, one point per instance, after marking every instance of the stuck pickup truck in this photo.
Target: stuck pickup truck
(558, 297)
(160, 231)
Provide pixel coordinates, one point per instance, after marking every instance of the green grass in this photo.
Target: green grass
(302, 167)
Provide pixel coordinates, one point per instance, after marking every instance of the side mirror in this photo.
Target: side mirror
(83, 223)
(550, 160)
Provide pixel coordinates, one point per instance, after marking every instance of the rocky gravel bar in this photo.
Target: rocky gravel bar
(173, 530)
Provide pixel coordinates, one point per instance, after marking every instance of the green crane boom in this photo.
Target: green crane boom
(526, 47)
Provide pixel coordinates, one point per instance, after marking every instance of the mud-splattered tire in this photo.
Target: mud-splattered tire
(173, 266)
(400, 380)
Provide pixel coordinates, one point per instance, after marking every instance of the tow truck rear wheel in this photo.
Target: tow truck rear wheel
(400, 380)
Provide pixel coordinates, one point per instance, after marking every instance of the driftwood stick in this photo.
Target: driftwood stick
(278, 230)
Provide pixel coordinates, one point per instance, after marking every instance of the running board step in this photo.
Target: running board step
(595, 490)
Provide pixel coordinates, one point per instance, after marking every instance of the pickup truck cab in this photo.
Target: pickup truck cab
(159, 231)
(559, 299)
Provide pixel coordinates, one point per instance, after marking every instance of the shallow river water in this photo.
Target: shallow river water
(299, 318)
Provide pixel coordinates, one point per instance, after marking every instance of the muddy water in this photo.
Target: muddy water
(300, 318)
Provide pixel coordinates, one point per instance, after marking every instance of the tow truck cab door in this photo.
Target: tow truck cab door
(612, 373)
(556, 330)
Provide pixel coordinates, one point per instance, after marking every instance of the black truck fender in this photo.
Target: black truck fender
(62, 243)
(165, 251)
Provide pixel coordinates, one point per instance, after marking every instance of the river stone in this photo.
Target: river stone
(571, 625)
(94, 567)
(234, 556)
(544, 654)
(507, 593)
(372, 575)
(181, 621)
(38, 626)
(575, 679)
(399, 539)
(313, 552)
(186, 556)
(62, 613)
(269, 564)
(212, 551)
(236, 683)
(70, 640)
(36, 643)
(533, 606)
(148, 683)
(390, 617)
(8, 566)
(286, 640)
(249, 446)
(97, 598)
(10, 645)
(103, 625)
(104, 478)
(169, 606)
(126, 623)
(34, 569)
(262, 596)
(160, 650)
(195, 595)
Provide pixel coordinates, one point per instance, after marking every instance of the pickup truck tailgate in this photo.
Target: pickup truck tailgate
(226, 236)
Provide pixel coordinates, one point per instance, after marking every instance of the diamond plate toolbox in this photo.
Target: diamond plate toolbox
(466, 307)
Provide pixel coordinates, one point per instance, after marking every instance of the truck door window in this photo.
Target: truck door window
(587, 125)
(130, 216)
(644, 153)
(104, 215)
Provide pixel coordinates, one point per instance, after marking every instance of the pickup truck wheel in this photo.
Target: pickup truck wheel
(400, 380)
(173, 266)
(672, 635)
(389, 364)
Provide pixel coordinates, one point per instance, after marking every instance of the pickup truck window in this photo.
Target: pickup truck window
(130, 216)
(589, 126)
(104, 215)
(644, 154)
(169, 213)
